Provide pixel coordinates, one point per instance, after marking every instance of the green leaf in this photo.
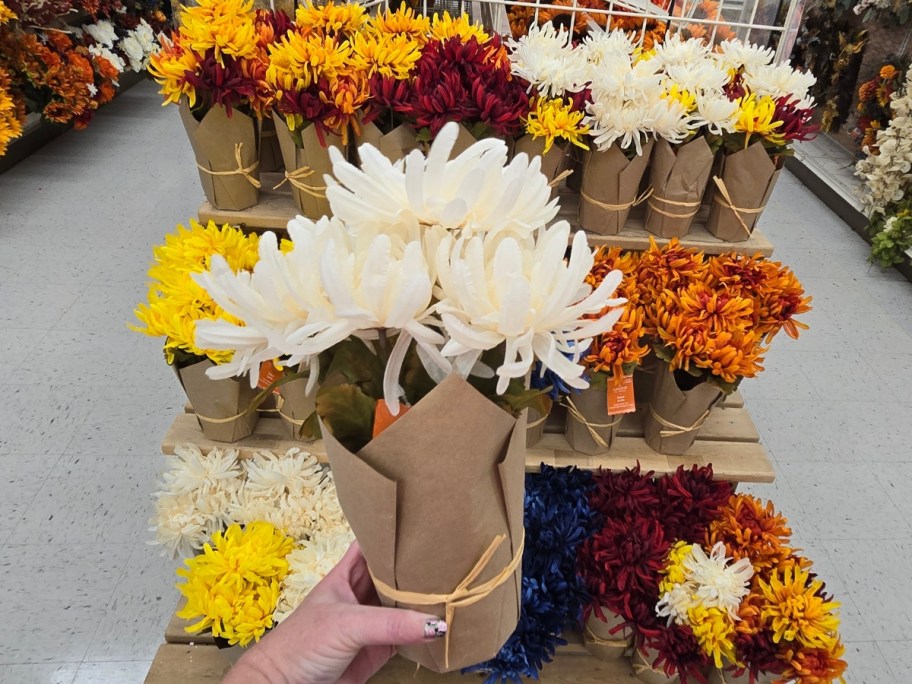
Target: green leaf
(348, 413)
(354, 361)
(515, 400)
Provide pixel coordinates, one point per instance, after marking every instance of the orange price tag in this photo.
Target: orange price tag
(383, 418)
(620, 395)
(268, 375)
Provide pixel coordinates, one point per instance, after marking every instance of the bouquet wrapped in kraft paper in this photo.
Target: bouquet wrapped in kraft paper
(270, 151)
(590, 430)
(675, 414)
(678, 178)
(227, 156)
(393, 145)
(741, 191)
(610, 184)
(225, 408)
(608, 638)
(306, 162)
(642, 665)
(436, 502)
(295, 405)
(554, 162)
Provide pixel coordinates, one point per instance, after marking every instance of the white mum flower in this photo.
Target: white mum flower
(627, 124)
(705, 76)
(717, 113)
(145, 36)
(180, 527)
(476, 192)
(102, 33)
(600, 46)
(134, 52)
(307, 566)
(678, 51)
(779, 80)
(530, 299)
(270, 475)
(546, 59)
(191, 471)
(733, 54)
(670, 120)
(619, 79)
(112, 57)
(674, 604)
(719, 582)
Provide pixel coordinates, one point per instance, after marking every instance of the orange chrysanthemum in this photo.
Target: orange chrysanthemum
(716, 310)
(816, 665)
(888, 71)
(753, 531)
(671, 267)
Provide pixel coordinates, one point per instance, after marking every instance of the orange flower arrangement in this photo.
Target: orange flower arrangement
(671, 267)
(706, 9)
(650, 30)
(751, 530)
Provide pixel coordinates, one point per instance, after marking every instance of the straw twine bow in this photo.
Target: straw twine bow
(463, 595)
(295, 177)
(241, 170)
(592, 638)
(673, 203)
(559, 177)
(591, 427)
(727, 202)
(675, 429)
(618, 207)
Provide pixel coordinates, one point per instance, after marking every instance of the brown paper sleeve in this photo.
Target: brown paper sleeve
(312, 155)
(678, 407)
(213, 140)
(270, 152)
(593, 406)
(219, 399)
(610, 178)
(678, 175)
(393, 145)
(457, 463)
(296, 406)
(463, 141)
(553, 162)
(749, 176)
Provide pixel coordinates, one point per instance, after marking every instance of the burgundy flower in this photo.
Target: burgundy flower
(689, 501)
(758, 653)
(622, 494)
(678, 653)
(224, 84)
(797, 124)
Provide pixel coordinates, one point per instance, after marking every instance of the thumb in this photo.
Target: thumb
(374, 626)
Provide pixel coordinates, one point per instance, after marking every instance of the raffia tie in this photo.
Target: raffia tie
(591, 638)
(536, 423)
(463, 595)
(727, 202)
(591, 427)
(559, 177)
(618, 207)
(241, 170)
(674, 429)
(280, 403)
(640, 668)
(297, 176)
(674, 203)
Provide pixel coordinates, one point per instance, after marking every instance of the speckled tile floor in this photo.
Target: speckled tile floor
(85, 599)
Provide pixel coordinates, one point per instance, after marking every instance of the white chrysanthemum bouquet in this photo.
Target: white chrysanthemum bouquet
(419, 310)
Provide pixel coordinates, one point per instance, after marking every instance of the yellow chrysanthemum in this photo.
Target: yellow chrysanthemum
(175, 302)
(169, 66)
(686, 99)
(6, 14)
(298, 61)
(233, 586)
(755, 117)
(225, 26)
(403, 21)
(555, 119)
(10, 125)
(714, 630)
(342, 20)
(674, 572)
(444, 26)
(795, 610)
(389, 54)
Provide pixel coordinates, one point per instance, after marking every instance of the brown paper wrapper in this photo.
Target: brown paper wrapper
(426, 498)
(609, 178)
(601, 639)
(294, 406)
(677, 407)
(678, 178)
(214, 401)
(311, 155)
(463, 142)
(642, 668)
(597, 436)
(575, 164)
(553, 162)
(644, 378)
(393, 145)
(536, 426)
(214, 141)
(749, 177)
(270, 150)
(728, 677)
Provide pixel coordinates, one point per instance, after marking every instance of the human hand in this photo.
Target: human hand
(339, 633)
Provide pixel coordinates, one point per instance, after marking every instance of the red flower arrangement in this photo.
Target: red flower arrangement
(690, 500)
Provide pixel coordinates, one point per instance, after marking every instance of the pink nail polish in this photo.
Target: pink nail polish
(435, 629)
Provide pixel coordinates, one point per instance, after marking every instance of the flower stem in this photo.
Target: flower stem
(383, 348)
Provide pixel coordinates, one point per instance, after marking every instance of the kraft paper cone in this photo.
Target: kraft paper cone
(609, 188)
(226, 154)
(678, 178)
(575, 179)
(426, 498)
(221, 406)
(748, 178)
(642, 668)
(606, 639)
(536, 426)
(644, 378)
(729, 677)
(683, 412)
(295, 406)
(463, 141)
(393, 145)
(553, 162)
(305, 167)
(590, 430)
(270, 151)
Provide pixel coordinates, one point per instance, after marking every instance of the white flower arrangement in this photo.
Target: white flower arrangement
(734, 55)
(308, 564)
(102, 33)
(779, 80)
(545, 57)
(108, 54)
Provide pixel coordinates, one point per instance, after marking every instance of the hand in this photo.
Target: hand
(338, 633)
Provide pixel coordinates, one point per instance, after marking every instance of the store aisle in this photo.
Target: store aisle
(87, 402)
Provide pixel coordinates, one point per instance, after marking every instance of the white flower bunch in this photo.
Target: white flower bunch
(545, 57)
(734, 55)
(712, 581)
(888, 173)
(138, 45)
(307, 565)
(600, 46)
(779, 80)
(108, 54)
(102, 33)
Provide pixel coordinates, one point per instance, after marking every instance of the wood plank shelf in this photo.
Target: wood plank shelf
(277, 207)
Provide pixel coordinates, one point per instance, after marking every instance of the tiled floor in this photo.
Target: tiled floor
(85, 599)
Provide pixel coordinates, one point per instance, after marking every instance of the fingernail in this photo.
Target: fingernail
(435, 629)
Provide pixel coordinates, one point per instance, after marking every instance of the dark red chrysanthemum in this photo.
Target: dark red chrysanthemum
(625, 493)
(223, 82)
(797, 123)
(678, 653)
(689, 502)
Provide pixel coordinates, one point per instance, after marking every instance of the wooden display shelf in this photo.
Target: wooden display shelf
(728, 440)
(277, 207)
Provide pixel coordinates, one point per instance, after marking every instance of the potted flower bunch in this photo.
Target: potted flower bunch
(422, 305)
(177, 304)
(626, 111)
(774, 110)
(787, 625)
(557, 77)
(593, 414)
(212, 67)
(680, 168)
(709, 333)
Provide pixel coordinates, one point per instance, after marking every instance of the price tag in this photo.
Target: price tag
(268, 375)
(620, 395)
